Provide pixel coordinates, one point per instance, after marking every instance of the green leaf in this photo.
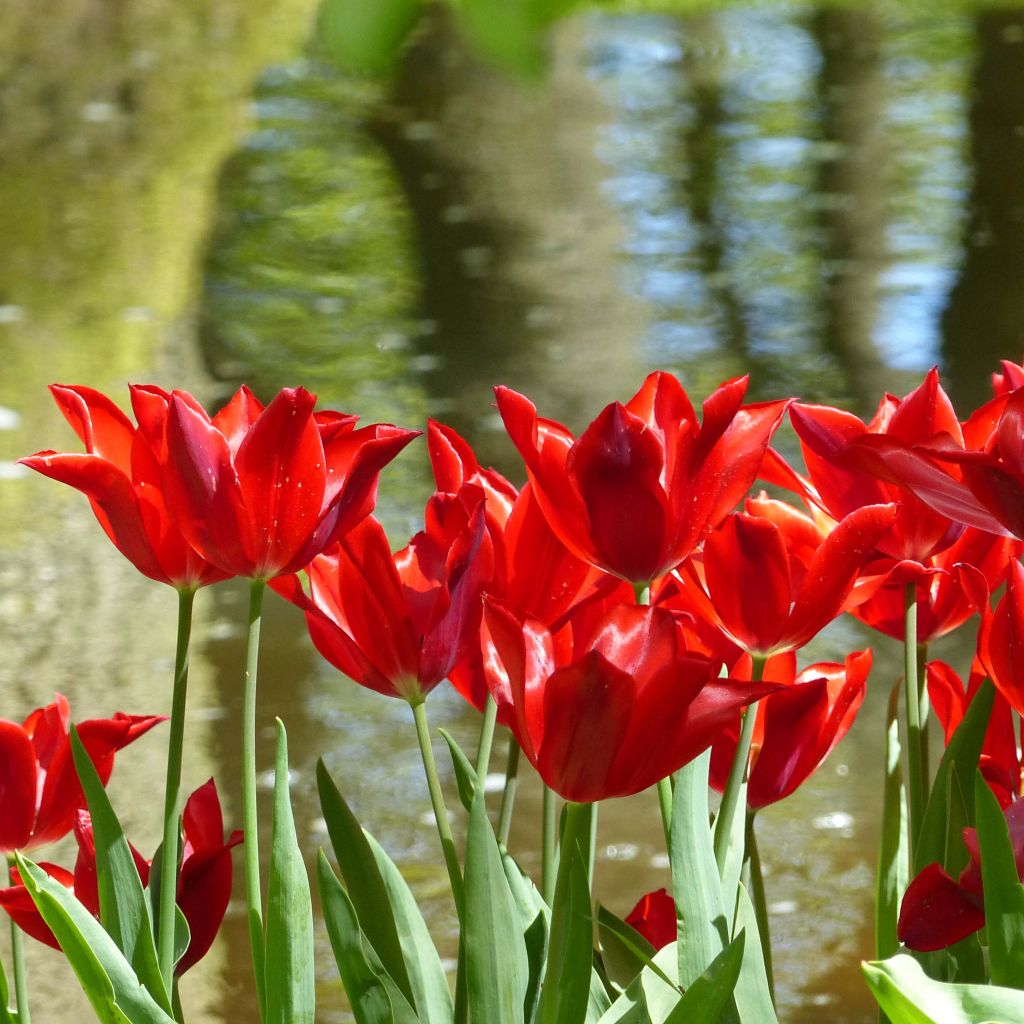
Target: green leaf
(1004, 895)
(497, 971)
(696, 886)
(182, 933)
(372, 993)
(7, 1015)
(465, 773)
(534, 918)
(112, 987)
(753, 994)
(624, 950)
(512, 32)
(291, 984)
(433, 997)
(362, 873)
(951, 804)
(652, 996)
(705, 1001)
(908, 996)
(366, 35)
(891, 879)
(565, 992)
(124, 907)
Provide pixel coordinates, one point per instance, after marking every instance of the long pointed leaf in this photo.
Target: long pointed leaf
(704, 1002)
(291, 984)
(372, 993)
(124, 908)
(112, 987)
(1004, 895)
(696, 885)
(891, 880)
(565, 992)
(753, 995)
(362, 874)
(496, 964)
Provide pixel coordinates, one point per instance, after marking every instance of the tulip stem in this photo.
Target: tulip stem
(757, 897)
(665, 802)
(253, 890)
(18, 956)
(172, 791)
(912, 709)
(549, 839)
(508, 796)
(483, 750)
(922, 692)
(738, 774)
(444, 832)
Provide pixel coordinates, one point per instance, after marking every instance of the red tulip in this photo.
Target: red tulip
(261, 491)
(627, 707)
(399, 623)
(1009, 380)
(937, 911)
(204, 884)
(773, 579)
(967, 573)
(1000, 763)
(1001, 640)
(842, 487)
(654, 917)
(40, 793)
(645, 482)
(120, 473)
(797, 726)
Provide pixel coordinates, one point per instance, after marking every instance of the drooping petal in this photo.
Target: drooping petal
(654, 917)
(937, 912)
(22, 908)
(17, 787)
(1001, 640)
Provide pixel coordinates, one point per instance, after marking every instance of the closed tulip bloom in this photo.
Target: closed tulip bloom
(646, 481)
(841, 487)
(39, 789)
(937, 911)
(1010, 379)
(399, 623)
(774, 579)
(120, 473)
(261, 491)
(204, 884)
(797, 726)
(629, 706)
(654, 917)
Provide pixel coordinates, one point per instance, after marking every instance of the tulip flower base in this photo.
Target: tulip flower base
(634, 617)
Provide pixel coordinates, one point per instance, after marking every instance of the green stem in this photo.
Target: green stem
(757, 897)
(444, 831)
(18, 955)
(592, 848)
(665, 803)
(738, 774)
(172, 791)
(912, 710)
(179, 1014)
(549, 840)
(253, 890)
(508, 796)
(483, 750)
(925, 707)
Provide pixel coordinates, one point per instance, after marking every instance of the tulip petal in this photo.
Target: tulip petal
(22, 908)
(937, 912)
(17, 786)
(100, 425)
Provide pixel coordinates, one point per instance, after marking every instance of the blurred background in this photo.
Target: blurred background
(201, 194)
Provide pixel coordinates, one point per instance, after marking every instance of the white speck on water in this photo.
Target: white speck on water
(621, 851)
(834, 821)
(9, 419)
(10, 314)
(494, 782)
(782, 907)
(660, 860)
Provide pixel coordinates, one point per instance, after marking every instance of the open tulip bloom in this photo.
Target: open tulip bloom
(633, 618)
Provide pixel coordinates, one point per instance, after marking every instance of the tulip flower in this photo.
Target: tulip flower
(772, 580)
(645, 482)
(204, 885)
(840, 487)
(261, 491)
(399, 623)
(1000, 762)
(1001, 640)
(797, 726)
(630, 705)
(120, 473)
(938, 911)
(654, 917)
(41, 794)
(1009, 380)
(957, 584)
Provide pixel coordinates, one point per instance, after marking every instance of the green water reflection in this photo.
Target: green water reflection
(828, 197)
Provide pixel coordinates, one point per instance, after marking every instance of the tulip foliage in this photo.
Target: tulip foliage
(633, 617)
